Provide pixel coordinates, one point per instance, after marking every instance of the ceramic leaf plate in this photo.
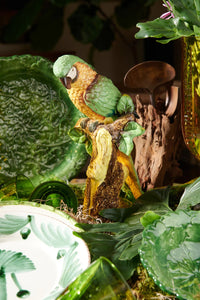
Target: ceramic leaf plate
(35, 117)
(39, 255)
(170, 252)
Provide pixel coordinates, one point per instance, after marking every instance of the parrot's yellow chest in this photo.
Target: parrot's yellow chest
(85, 79)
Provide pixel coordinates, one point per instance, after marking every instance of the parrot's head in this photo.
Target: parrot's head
(65, 69)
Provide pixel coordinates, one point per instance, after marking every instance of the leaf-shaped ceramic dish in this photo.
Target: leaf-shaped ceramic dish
(170, 252)
(39, 255)
(35, 117)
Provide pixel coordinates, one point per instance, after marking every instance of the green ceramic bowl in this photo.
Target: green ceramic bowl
(35, 117)
(170, 251)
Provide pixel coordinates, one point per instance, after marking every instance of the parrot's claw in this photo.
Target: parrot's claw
(84, 122)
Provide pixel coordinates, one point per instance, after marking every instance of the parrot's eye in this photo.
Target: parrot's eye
(72, 73)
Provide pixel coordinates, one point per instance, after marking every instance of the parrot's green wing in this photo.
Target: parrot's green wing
(103, 97)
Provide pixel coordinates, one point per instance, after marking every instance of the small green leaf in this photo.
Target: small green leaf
(131, 130)
(156, 200)
(88, 146)
(148, 218)
(78, 136)
(168, 30)
(125, 105)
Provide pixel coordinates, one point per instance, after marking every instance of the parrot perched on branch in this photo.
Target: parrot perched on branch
(93, 94)
(109, 128)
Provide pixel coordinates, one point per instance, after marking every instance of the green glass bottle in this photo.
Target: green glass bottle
(191, 93)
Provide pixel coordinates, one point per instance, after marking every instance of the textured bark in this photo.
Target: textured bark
(109, 168)
(156, 151)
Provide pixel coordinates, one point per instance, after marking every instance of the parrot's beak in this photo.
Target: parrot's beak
(66, 81)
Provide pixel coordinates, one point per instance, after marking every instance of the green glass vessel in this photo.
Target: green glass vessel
(191, 93)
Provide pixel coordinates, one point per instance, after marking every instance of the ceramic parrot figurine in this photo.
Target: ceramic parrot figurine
(109, 126)
(93, 94)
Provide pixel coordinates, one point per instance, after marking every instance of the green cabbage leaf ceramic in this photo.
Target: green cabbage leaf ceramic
(191, 196)
(170, 251)
(35, 117)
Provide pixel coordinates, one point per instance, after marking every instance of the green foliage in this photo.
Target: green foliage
(171, 29)
(186, 22)
(41, 22)
(85, 24)
(119, 241)
(131, 130)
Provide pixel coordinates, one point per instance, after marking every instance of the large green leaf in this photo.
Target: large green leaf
(118, 242)
(167, 29)
(187, 10)
(191, 195)
(85, 24)
(170, 252)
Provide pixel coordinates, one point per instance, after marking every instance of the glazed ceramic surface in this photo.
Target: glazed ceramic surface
(170, 252)
(39, 255)
(35, 117)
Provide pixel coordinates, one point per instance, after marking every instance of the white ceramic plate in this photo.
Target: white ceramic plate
(39, 255)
